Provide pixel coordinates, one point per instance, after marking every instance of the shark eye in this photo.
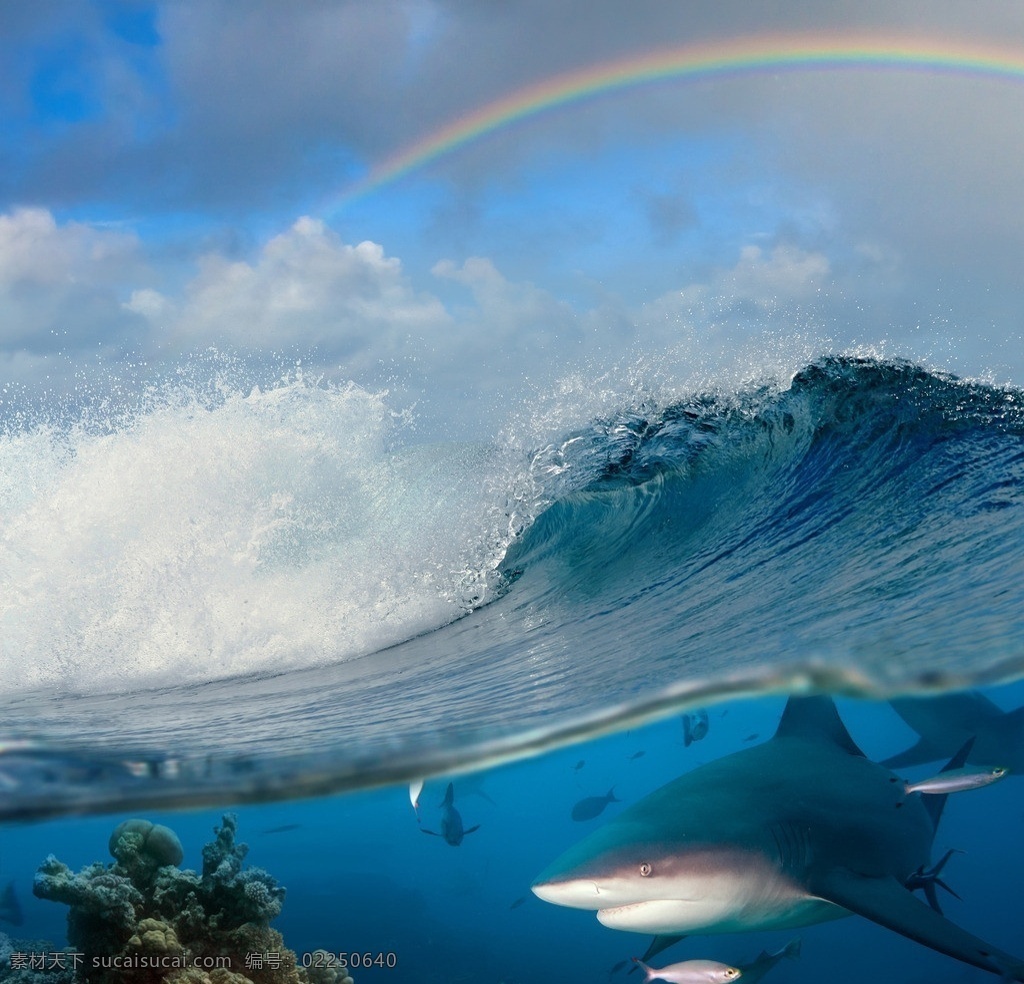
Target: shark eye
(645, 869)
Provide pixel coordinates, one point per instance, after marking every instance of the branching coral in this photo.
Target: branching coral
(142, 920)
(249, 895)
(105, 905)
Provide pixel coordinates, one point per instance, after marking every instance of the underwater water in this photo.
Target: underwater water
(236, 597)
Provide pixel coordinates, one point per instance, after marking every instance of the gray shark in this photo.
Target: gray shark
(798, 830)
(10, 908)
(452, 829)
(946, 722)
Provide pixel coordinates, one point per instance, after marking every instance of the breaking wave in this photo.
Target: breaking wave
(275, 580)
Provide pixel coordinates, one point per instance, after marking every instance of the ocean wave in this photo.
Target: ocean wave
(858, 527)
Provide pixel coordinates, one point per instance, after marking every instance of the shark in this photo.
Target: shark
(945, 722)
(452, 829)
(10, 908)
(800, 829)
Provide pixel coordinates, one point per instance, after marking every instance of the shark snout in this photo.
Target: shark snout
(577, 893)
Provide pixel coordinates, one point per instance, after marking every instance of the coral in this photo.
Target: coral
(34, 962)
(105, 905)
(142, 920)
(195, 976)
(251, 895)
(322, 970)
(141, 848)
(155, 938)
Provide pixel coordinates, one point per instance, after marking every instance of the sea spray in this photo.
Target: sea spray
(215, 530)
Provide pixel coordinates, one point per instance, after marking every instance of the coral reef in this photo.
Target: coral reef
(33, 962)
(143, 920)
(323, 973)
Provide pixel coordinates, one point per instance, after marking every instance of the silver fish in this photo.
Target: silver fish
(691, 972)
(957, 780)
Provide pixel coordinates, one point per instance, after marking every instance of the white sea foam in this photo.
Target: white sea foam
(252, 531)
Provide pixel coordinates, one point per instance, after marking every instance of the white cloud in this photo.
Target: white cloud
(34, 249)
(761, 282)
(763, 314)
(786, 274)
(60, 284)
(151, 304)
(507, 310)
(306, 287)
(352, 309)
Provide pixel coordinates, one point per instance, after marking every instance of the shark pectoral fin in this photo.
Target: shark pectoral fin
(886, 902)
(657, 944)
(662, 942)
(470, 830)
(423, 830)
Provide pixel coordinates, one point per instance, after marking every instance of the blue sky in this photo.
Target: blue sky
(170, 172)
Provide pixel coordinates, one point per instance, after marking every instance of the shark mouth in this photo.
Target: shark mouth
(659, 915)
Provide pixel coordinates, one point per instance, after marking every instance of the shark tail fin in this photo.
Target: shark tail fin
(815, 717)
(935, 804)
(449, 795)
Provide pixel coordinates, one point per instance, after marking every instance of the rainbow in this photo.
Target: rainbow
(706, 60)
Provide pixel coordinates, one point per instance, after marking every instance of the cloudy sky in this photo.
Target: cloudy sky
(193, 173)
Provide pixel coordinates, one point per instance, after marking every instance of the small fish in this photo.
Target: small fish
(415, 788)
(637, 755)
(957, 780)
(579, 765)
(451, 821)
(753, 737)
(695, 727)
(284, 828)
(518, 902)
(593, 806)
(691, 972)
(10, 907)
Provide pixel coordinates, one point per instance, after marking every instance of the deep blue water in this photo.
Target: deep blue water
(223, 597)
(361, 875)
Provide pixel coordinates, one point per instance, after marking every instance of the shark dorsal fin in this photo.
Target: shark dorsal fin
(815, 717)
